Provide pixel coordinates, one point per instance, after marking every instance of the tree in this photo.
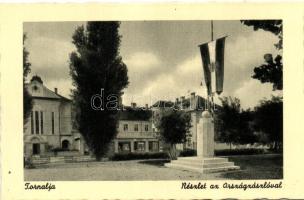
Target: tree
(246, 131)
(227, 120)
(96, 66)
(268, 119)
(27, 98)
(271, 71)
(232, 125)
(174, 128)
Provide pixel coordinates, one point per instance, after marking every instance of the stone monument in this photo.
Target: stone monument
(205, 161)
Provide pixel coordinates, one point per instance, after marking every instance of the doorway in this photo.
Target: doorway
(65, 144)
(36, 148)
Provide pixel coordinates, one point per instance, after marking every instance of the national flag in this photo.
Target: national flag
(213, 65)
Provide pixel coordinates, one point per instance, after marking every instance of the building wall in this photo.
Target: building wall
(51, 134)
(132, 140)
(46, 107)
(65, 118)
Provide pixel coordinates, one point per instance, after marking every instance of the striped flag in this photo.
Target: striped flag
(213, 65)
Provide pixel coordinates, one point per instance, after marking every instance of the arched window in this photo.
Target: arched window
(65, 144)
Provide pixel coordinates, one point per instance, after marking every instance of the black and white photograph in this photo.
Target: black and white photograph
(153, 100)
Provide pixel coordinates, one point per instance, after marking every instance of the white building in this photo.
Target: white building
(50, 123)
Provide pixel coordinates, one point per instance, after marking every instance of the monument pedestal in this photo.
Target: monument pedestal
(204, 162)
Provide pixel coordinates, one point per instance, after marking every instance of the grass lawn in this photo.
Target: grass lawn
(256, 167)
(252, 167)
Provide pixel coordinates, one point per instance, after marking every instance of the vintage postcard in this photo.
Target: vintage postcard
(154, 101)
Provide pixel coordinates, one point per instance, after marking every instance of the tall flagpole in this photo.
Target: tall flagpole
(211, 30)
(212, 102)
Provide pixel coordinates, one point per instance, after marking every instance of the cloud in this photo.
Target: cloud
(143, 67)
(153, 82)
(50, 57)
(162, 58)
(64, 86)
(252, 91)
(243, 54)
(185, 78)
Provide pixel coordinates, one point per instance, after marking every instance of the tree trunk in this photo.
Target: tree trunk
(172, 152)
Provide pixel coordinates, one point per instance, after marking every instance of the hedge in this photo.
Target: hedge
(229, 152)
(135, 156)
(187, 152)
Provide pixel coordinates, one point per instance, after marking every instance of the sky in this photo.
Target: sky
(162, 57)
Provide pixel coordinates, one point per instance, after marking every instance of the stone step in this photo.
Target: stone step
(203, 160)
(184, 167)
(220, 169)
(201, 170)
(61, 159)
(203, 165)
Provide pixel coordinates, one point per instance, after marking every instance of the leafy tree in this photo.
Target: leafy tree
(94, 66)
(233, 125)
(174, 128)
(27, 98)
(271, 71)
(268, 119)
(246, 131)
(227, 120)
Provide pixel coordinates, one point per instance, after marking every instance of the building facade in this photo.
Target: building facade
(49, 125)
(135, 133)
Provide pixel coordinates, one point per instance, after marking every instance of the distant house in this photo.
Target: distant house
(135, 133)
(194, 105)
(49, 125)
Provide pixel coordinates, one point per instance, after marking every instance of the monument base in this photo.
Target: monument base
(202, 165)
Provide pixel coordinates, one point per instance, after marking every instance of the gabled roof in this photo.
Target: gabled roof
(135, 114)
(163, 104)
(45, 93)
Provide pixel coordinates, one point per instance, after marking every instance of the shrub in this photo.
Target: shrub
(28, 163)
(187, 152)
(228, 152)
(135, 156)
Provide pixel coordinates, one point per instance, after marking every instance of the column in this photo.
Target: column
(42, 148)
(147, 146)
(132, 146)
(115, 146)
(205, 136)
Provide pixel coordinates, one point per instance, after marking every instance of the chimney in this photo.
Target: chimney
(56, 90)
(147, 107)
(133, 105)
(182, 98)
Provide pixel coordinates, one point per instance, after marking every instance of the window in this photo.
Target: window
(53, 125)
(125, 128)
(124, 147)
(136, 127)
(37, 121)
(146, 127)
(41, 121)
(139, 146)
(32, 123)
